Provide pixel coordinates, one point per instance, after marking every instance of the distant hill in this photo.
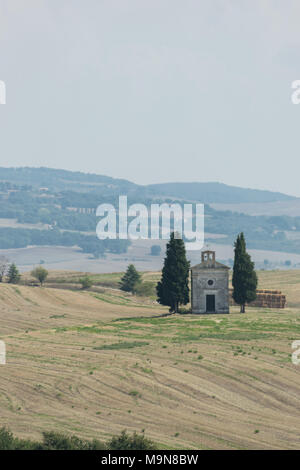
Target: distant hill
(64, 202)
(61, 180)
(64, 180)
(216, 192)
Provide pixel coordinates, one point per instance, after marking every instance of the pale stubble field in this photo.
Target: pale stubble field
(93, 365)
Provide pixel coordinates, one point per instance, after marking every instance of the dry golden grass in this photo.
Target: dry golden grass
(286, 281)
(91, 366)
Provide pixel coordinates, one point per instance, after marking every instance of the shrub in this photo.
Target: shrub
(6, 439)
(184, 311)
(58, 441)
(146, 289)
(126, 442)
(9, 442)
(134, 393)
(86, 282)
(40, 274)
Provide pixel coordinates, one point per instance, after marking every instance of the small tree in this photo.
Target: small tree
(244, 279)
(173, 289)
(40, 274)
(86, 282)
(130, 280)
(13, 275)
(126, 442)
(3, 267)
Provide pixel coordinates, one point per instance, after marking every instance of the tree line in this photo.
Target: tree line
(59, 441)
(173, 288)
(27, 206)
(21, 238)
(10, 272)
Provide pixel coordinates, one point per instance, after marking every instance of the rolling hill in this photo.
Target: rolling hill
(64, 180)
(217, 193)
(49, 207)
(94, 364)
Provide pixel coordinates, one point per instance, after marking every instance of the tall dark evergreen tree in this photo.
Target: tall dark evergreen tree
(130, 280)
(173, 288)
(13, 275)
(244, 279)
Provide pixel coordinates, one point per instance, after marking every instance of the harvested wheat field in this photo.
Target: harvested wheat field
(95, 364)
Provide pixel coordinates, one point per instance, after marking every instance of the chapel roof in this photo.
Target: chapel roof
(208, 261)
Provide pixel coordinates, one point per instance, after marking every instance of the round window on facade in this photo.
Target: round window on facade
(210, 282)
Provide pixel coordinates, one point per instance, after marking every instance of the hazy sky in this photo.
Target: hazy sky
(153, 90)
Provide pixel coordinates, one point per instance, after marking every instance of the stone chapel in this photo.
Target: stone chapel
(210, 285)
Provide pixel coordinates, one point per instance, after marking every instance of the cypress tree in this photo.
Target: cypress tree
(13, 274)
(130, 280)
(244, 279)
(173, 288)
